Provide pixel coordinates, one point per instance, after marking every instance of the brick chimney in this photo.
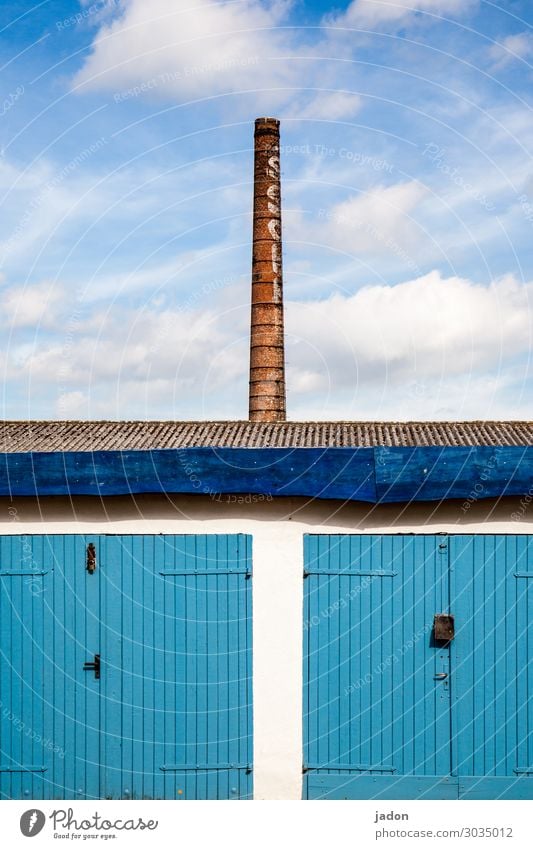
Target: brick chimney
(267, 356)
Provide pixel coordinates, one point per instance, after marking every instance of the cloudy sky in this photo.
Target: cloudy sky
(126, 133)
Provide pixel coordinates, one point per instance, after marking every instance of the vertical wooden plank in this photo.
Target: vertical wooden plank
(6, 651)
(422, 720)
(116, 559)
(245, 648)
(365, 554)
(160, 690)
(149, 649)
(524, 656)
(17, 669)
(517, 549)
(490, 625)
(344, 660)
(55, 753)
(126, 670)
(311, 644)
(223, 586)
(399, 681)
(93, 645)
(525, 653)
(503, 553)
(140, 645)
(236, 693)
(387, 627)
(204, 587)
(59, 697)
(462, 556)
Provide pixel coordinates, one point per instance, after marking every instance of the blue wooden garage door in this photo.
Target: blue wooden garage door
(168, 715)
(389, 711)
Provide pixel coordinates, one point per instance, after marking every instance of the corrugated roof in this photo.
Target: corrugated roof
(20, 436)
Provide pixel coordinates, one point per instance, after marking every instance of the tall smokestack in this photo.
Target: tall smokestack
(267, 357)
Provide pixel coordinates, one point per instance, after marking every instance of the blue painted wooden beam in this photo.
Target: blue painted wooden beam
(373, 475)
(435, 473)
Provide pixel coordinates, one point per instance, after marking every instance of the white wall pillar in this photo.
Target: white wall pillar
(277, 660)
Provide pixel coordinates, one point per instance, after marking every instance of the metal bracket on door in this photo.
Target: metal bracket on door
(306, 767)
(443, 627)
(93, 664)
(204, 766)
(91, 558)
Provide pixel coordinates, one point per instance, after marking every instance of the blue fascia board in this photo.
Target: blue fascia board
(382, 474)
(436, 473)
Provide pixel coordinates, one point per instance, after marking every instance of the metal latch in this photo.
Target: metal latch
(91, 558)
(93, 664)
(443, 627)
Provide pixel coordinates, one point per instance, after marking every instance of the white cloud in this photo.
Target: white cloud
(379, 220)
(429, 347)
(32, 306)
(519, 46)
(457, 398)
(72, 405)
(124, 363)
(330, 106)
(187, 48)
(123, 344)
(426, 329)
(375, 12)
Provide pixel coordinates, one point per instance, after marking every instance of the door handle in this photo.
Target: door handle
(440, 676)
(93, 664)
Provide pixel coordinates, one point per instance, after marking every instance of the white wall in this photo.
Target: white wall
(277, 528)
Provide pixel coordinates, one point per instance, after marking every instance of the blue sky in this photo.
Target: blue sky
(126, 134)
